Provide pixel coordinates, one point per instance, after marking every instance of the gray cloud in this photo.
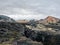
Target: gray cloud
(30, 7)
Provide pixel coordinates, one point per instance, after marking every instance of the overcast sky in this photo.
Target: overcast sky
(30, 9)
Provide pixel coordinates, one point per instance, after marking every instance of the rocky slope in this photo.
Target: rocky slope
(9, 29)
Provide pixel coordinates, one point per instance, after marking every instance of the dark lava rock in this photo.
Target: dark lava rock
(9, 28)
(47, 38)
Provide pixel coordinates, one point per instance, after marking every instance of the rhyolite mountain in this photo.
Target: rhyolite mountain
(6, 19)
(49, 19)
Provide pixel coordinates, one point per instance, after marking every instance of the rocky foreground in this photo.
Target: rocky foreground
(14, 33)
(17, 34)
(10, 31)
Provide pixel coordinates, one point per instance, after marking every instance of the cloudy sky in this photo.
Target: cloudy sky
(30, 9)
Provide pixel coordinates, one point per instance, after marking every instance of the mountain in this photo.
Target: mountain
(6, 19)
(49, 19)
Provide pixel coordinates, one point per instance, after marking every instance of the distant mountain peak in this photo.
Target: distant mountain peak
(49, 16)
(49, 19)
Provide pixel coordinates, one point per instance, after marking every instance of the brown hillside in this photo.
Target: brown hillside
(49, 19)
